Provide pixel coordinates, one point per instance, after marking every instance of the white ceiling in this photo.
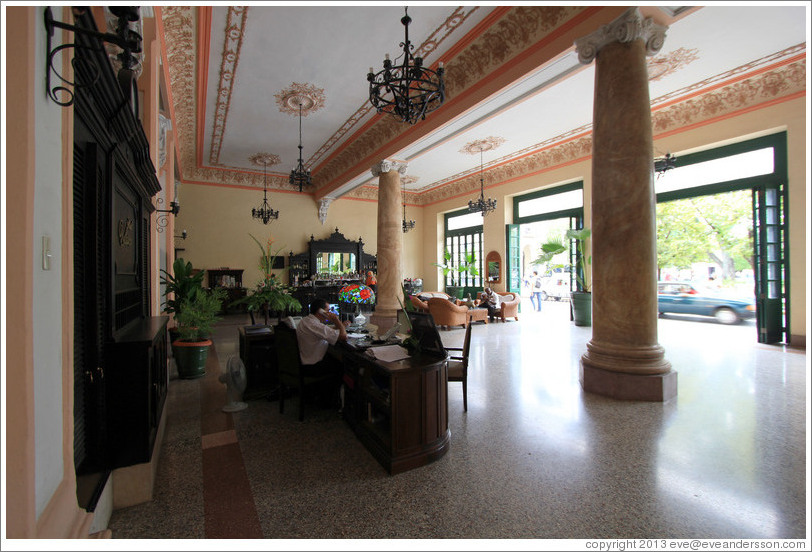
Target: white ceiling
(333, 47)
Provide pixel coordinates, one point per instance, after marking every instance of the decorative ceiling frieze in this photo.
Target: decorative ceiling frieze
(232, 44)
(771, 78)
(661, 66)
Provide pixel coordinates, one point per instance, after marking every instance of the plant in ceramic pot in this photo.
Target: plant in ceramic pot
(557, 244)
(195, 321)
(183, 283)
(466, 264)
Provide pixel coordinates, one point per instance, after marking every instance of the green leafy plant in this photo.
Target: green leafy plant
(269, 293)
(198, 314)
(465, 264)
(557, 244)
(183, 283)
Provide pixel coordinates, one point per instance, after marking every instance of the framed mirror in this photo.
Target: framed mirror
(493, 267)
(335, 262)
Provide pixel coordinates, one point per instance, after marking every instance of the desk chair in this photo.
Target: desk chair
(458, 365)
(291, 374)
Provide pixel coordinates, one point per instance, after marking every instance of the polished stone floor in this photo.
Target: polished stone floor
(534, 457)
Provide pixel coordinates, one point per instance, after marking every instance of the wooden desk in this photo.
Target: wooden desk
(398, 410)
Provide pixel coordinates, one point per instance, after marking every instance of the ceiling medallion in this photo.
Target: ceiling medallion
(484, 144)
(264, 159)
(308, 96)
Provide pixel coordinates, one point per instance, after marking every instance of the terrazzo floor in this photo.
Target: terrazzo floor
(534, 457)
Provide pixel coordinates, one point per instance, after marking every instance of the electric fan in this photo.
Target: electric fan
(235, 380)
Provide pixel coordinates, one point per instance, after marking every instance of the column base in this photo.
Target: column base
(382, 321)
(629, 387)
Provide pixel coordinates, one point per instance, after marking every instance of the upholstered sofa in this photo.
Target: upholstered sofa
(447, 313)
(420, 301)
(508, 304)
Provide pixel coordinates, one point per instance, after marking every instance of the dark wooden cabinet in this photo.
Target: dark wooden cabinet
(136, 385)
(398, 410)
(230, 280)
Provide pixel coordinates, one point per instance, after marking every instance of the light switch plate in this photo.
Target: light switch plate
(46, 253)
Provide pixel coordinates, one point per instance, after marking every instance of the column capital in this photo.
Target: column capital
(387, 165)
(626, 28)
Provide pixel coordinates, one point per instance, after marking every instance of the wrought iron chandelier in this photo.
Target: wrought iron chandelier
(664, 164)
(481, 205)
(407, 224)
(408, 91)
(300, 176)
(264, 212)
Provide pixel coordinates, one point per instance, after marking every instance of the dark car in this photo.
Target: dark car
(684, 298)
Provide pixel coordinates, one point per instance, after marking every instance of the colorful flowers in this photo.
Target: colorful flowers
(356, 293)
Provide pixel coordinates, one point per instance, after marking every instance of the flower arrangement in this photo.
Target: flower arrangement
(358, 294)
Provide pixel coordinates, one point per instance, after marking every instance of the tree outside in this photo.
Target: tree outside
(708, 238)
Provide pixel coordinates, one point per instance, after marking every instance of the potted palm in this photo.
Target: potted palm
(556, 244)
(466, 264)
(195, 320)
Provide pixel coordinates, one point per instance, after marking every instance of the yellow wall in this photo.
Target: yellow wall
(219, 224)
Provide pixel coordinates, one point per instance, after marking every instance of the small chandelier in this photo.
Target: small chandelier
(408, 91)
(264, 212)
(300, 176)
(664, 164)
(407, 224)
(481, 205)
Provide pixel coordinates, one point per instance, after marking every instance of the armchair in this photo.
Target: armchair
(509, 304)
(446, 313)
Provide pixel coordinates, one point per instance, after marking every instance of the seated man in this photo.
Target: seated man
(492, 302)
(314, 336)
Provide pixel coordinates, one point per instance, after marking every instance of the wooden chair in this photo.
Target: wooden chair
(458, 365)
(291, 374)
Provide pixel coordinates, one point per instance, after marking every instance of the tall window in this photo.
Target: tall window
(463, 236)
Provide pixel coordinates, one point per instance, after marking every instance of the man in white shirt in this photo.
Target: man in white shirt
(493, 303)
(316, 332)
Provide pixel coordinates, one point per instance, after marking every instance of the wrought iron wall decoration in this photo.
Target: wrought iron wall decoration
(125, 38)
(162, 220)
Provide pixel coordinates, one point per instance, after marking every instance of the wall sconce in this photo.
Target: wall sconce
(183, 235)
(124, 37)
(162, 220)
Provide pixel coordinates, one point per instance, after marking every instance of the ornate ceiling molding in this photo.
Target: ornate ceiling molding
(232, 44)
(311, 98)
(661, 66)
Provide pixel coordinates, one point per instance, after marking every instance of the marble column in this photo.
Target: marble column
(390, 243)
(623, 358)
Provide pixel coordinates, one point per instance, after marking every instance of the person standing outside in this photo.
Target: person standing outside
(535, 291)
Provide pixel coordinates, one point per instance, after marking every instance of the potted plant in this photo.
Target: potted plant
(269, 294)
(184, 283)
(466, 264)
(195, 320)
(581, 299)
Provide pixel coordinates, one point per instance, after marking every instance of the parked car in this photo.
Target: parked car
(556, 287)
(685, 298)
